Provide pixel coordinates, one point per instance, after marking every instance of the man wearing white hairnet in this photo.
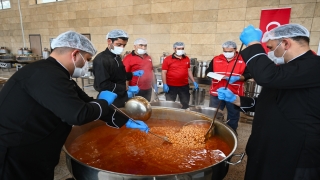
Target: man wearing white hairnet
(137, 60)
(175, 74)
(40, 103)
(223, 64)
(109, 70)
(285, 139)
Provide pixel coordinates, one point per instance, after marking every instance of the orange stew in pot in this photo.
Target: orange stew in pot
(131, 151)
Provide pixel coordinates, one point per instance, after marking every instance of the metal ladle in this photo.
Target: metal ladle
(136, 85)
(138, 108)
(210, 131)
(119, 110)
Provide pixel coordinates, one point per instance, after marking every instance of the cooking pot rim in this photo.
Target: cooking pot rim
(163, 175)
(147, 176)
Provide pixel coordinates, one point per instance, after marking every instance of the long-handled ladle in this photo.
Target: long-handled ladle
(119, 110)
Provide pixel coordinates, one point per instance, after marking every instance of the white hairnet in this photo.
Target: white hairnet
(178, 44)
(140, 41)
(285, 31)
(229, 44)
(74, 40)
(116, 33)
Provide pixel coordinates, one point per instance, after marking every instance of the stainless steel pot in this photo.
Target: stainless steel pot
(81, 171)
(169, 104)
(26, 51)
(252, 89)
(209, 111)
(197, 97)
(20, 51)
(4, 50)
(45, 53)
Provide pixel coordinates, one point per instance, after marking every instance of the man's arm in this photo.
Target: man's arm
(246, 75)
(190, 75)
(164, 76)
(210, 67)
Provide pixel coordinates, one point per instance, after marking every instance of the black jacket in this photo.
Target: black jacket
(38, 106)
(286, 126)
(110, 74)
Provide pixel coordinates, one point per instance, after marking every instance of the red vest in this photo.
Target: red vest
(223, 67)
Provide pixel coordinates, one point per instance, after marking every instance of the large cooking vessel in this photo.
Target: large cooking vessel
(81, 171)
(197, 96)
(4, 50)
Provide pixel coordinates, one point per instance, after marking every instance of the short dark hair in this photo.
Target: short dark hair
(301, 38)
(62, 50)
(123, 38)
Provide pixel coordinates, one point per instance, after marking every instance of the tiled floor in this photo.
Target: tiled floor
(236, 172)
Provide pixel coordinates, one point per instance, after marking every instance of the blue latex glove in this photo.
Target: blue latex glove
(165, 88)
(155, 87)
(226, 95)
(196, 86)
(130, 94)
(139, 125)
(233, 79)
(138, 73)
(108, 96)
(134, 89)
(250, 34)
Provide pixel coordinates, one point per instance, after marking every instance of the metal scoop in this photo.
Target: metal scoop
(210, 131)
(138, 108)
(136, 85)
(161, 137)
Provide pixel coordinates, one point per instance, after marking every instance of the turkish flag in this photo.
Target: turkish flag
(271, 18)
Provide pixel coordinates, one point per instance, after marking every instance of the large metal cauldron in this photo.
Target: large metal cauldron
(81, 171)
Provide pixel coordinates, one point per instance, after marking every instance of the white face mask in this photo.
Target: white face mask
(228, 55)
(180, 52)
(117, 50)
(78, 72)
(141, 51)
(276, 60)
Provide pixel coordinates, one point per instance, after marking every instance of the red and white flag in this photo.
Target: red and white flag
(271, 18)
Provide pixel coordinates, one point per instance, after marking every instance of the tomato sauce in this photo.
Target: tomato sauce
(131, 151)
